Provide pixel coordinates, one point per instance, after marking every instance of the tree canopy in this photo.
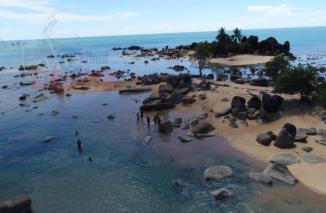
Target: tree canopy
(298, 80)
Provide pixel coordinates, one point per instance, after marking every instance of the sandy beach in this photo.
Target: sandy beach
(244, 139)
(241, 60)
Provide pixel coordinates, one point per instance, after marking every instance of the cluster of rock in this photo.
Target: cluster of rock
(287, 137)
(262, 110)
(277, 170)
(269, 46)
(259, 82)
(155, 53)
(170, 93)
(30, 67)
(218, 173)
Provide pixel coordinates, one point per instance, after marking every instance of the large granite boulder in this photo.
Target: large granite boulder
(165, 127)
(272, 104)
(238, 101)
(264, 139)
(176, 97)
(165, 88)
(254, 102)
(259, 82)
(238, 108)
(217, 172)
(204, 85)
(221, 194)
(261, 178)
(203, 127)
(281, 173)
(285, 138)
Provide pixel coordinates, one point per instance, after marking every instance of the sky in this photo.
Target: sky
(36, 19)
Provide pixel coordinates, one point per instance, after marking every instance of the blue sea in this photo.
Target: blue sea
(126, 175)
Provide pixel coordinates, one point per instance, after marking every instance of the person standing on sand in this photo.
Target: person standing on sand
(158, 119)
(155, 120)
(148, 121)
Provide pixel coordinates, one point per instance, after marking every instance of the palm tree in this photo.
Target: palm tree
(237, 35)
(222, 37)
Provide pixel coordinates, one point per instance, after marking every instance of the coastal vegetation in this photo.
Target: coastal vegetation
(236, 43)
(299, 80)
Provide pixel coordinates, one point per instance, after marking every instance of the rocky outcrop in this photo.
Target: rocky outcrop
(280, 173)
(156, 107)
(56, 87)
(221, 194)
(259, 82)
(238, 108)
(261, 178)
(202, 128)
(166, 127)
(272, 104)
(19, 204)
(255, 103)
(264, 139)
(165, 88)
(217, 172)
(285, 138)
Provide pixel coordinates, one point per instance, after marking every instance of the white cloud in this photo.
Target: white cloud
(38, 11)
(282, 15)
(33, 5)
(267, 9)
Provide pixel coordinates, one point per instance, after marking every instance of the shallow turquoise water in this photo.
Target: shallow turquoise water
(126, 175)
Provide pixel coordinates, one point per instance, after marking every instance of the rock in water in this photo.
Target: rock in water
(110, 117)
(221, 194)
(179, 183)
(19, 204)
(217, 172)
(147, 139)
(203, 128)
(286, 137)
(281, 173)
(184, 139)
(47, 139)
(261, 178)
(166, 127)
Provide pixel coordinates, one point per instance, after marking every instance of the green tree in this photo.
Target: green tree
(276, 66)
(223, 41)
(237, 35)
(202, 53)
(298, 80)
